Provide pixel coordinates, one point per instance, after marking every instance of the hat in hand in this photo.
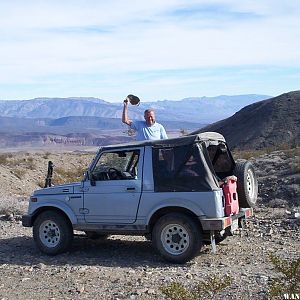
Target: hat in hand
(134, 100)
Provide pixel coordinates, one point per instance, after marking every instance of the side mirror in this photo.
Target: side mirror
(91, 178)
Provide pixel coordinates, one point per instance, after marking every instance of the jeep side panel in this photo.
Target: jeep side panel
(114, 201)
(207, 204)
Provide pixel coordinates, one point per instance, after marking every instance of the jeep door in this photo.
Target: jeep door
(113, 192)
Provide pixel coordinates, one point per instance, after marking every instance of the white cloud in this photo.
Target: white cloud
(93, 41)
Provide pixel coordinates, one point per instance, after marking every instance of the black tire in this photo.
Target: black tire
(52, 232)
(93, 235)
(247, 186)
(177, 237)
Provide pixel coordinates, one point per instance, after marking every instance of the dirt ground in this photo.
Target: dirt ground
(129, 267)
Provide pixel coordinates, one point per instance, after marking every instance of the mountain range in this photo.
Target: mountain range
(204, 110)
(246, 121)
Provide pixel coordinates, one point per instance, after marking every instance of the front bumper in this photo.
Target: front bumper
(222, 223)
(27, 221)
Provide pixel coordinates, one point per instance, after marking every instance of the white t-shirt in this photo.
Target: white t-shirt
(145, 132)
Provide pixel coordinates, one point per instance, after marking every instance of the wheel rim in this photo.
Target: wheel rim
(175, 239)
(49, 233)
(250, 184)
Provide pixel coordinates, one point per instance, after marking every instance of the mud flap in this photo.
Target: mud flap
(213, 242)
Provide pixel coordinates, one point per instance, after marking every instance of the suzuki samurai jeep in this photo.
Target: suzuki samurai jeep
(180, 193)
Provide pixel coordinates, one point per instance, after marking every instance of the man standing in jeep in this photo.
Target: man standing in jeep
(146, 130)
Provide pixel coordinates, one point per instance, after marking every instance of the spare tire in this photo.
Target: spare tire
(247, 186)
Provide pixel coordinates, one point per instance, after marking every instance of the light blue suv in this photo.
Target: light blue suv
(170, 190)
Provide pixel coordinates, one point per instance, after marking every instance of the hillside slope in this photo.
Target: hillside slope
(269, 123)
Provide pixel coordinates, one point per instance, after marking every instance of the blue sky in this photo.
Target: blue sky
(156, 49)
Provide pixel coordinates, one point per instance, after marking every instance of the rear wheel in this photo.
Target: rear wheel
(177, 237)
(247, 186)
(52, 232)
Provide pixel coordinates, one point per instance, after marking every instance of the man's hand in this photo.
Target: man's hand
(125, 118)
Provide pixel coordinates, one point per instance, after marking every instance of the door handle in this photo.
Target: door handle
(131, 189)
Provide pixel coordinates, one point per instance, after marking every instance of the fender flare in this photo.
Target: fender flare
(172, 205)
(56, 205)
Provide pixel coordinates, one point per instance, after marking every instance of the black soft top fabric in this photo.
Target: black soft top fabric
(171, 162)
(179, 141)
(185, 168)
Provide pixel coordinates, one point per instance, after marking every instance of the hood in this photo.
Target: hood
(68, 188)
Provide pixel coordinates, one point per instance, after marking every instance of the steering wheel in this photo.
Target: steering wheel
(113, 173)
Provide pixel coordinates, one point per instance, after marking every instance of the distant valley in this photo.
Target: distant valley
(92, 121)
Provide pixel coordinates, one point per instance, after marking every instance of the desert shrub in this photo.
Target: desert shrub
(19, 173)
(46, 155)
(29, 159)
(296, 167)
(282, 147)
(247, 154)
(41, 183)
(177, 291)
(292, 152)
(14, 162)
(31, 166)
(204, 289)
(288, 282)
(26, 163)
(15, 206)
(61, 175)
(29, 163)
(4, 158)
(212, 286)
(8, 159)
(277, 203)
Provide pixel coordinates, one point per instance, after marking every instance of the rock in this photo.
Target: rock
(269, 231)
(151, 292)
(262, 279)
(9, 217)
(80, 289)
(40, 266)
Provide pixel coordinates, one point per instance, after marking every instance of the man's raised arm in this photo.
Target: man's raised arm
(125, 118)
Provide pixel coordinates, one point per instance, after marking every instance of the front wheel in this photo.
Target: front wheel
(177, 237)
(52, 232)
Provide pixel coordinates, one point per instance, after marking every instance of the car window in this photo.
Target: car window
(182, 168)
(117, 165)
